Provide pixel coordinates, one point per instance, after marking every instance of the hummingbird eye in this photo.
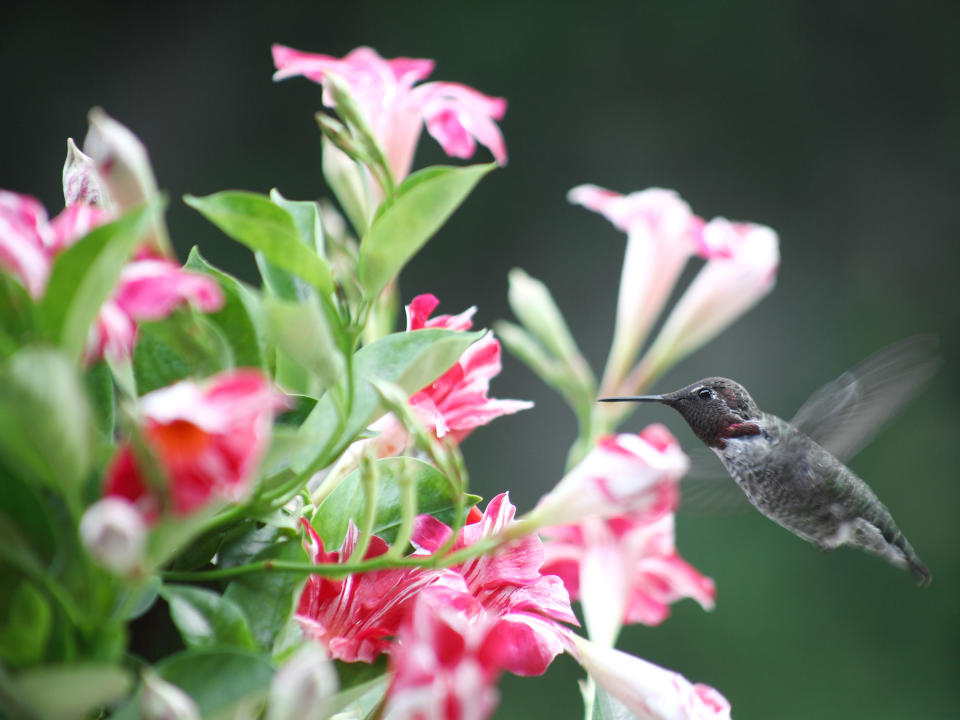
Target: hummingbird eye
(704, 393)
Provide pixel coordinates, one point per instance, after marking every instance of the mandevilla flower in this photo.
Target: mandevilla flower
(456, 402)
(25, 238)
(455, 114)
(150, 288)
(742, 269)
(356, 617)
(624, 569)
(527, 605)
(207, 440)
(661, 236)
(649, 691)
(623, 473)
(446, 663)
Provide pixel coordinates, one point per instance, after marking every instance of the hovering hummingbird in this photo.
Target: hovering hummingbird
(794, 472)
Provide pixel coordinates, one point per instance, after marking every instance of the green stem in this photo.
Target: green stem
(368, 478)
(408, 504)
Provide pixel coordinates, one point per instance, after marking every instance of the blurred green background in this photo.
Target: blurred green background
(838, 124)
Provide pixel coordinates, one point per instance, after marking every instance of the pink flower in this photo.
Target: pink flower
(456, 115)
(649, 691)
(508, 583)
(25, 237)
(150, 288)
(445, 665)
(456, 402)
(623, 473)
(356, 617)
(625, 569)
(207, 439)
(741, 270)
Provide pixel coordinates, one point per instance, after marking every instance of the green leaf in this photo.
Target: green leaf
(306, 216)
(237, 319)
(302, 332)
(46, 427)
(411, 360)
(420, 206)
(23, 639)
(183, 344)
(71, 692)
(435, 497)
(268, 599)
(607, 707)
(83, 277)
(265, 227)
(205, 618)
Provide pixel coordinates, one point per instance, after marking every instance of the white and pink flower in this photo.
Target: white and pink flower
(649, 691)
(357, 617)
(456, 403)
(528, 606)
(625, 569)
(446, 661)
(25, 240)
(207, 439)
(456, 115)
(622, 473)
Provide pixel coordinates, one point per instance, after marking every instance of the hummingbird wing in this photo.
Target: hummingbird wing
(708, 489)
(844, 414)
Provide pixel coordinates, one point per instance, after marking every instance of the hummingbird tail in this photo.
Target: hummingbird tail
(919, 571)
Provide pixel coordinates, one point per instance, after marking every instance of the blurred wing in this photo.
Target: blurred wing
(844, 414)
(707, 489)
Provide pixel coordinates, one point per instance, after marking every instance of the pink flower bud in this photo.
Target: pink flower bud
(650, 691)
(114, 533)
(81, 182)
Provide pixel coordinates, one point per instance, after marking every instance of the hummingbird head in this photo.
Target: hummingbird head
(715, 408)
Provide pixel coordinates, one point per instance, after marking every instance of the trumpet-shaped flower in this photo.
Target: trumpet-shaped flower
(357, 617)
(207, 440)
(662, 234)
(446, 662)
(625, 569)
(649, 691)
(456, 115)
(741, 270)
(527, 605)
(456, 402)
(621, 474)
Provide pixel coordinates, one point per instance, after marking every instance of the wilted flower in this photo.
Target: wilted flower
(624, 569)
(162, 700)
(527, 606)
(207, 440)
(455, 114)
(446, 661)
(356, 617)
(622, 473)
(649, 691)
(303, 686)
(114, 533)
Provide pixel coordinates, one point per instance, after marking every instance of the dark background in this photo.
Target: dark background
(838, 124)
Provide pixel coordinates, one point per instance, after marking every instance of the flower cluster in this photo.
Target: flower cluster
(333, 523)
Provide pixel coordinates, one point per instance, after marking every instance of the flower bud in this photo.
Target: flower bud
(81, 182)
(165, 701)
(650, 691)
(302, 687)
(114, 533)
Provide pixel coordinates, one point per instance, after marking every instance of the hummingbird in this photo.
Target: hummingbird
(794, 472)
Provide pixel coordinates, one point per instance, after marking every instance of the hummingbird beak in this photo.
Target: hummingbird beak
(634, 398)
